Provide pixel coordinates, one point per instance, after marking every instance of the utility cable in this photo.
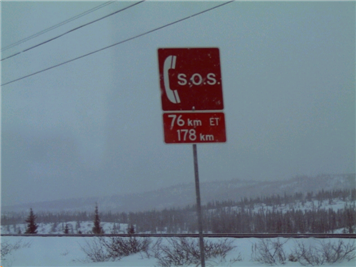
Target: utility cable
(72, 30)
(56, 26)
(126, 40)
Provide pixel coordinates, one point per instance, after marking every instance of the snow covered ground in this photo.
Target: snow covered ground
(66, 251)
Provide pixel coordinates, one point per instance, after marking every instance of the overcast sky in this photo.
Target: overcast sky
(93, 127)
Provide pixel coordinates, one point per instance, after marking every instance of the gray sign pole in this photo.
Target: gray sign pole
(200, 219)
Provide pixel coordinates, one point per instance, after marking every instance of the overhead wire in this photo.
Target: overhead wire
(56, 26)
(118, 43)
(72, 30)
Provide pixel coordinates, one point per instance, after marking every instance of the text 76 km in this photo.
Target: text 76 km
(180, 122)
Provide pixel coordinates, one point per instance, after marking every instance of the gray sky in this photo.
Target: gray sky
(93, 127)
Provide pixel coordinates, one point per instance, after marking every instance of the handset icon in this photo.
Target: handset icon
(170, 63)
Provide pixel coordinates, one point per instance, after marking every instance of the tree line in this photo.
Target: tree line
(245, 216)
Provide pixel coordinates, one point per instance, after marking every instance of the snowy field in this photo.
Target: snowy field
(66, 251)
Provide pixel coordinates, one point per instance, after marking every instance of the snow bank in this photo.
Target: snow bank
(66, 251)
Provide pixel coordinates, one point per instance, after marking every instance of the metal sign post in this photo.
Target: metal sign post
(200, 219)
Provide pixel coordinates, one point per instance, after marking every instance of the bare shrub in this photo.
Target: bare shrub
(186, 251)
(338, 252)
(114, 248)
(308, 255)
(7, 248)
(269, 251)
(95, 251)
(292, 258)
(118, 247)
(325, 252)
(154, 250)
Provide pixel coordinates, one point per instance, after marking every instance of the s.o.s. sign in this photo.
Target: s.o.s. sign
(190, 79)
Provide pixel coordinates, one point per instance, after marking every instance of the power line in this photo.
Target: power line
(56, 26)
(126, 40)
(72, 30)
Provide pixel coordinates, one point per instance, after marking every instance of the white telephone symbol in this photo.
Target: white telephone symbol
(170, 63)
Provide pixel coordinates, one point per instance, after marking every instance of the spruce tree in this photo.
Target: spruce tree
(31, 224)
(97, 229)
(66, 229)
(131, 230)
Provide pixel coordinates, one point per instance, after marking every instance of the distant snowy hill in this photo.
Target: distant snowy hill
(182, 195)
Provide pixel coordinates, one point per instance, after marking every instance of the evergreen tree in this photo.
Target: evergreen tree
(66, 229)
(31, 224)
(77, 226)
(97, 229)
(115, 229)
(54, 227)
(131, 230)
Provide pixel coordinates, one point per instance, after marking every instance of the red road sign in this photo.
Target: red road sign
(190, 79)
(194, 127)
